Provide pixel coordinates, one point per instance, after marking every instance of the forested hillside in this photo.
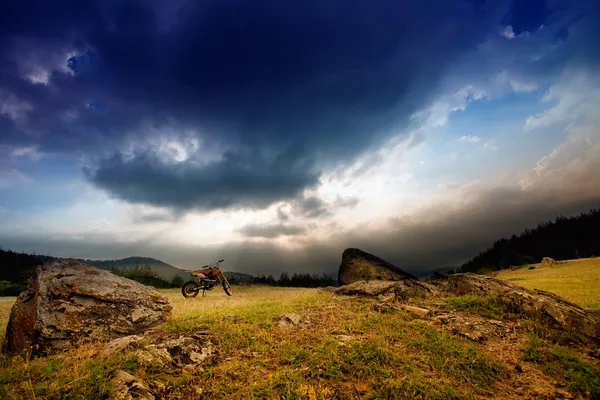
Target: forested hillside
(562, 239)
(15, 269)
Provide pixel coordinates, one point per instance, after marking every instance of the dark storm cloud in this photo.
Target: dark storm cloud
(311, 81)
(237, 179)
(311, 207)
(316, 83)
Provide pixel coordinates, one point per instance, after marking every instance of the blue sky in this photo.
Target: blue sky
(277, 135)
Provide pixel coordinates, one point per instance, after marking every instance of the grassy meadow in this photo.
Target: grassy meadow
(352, 349)
(575, 280)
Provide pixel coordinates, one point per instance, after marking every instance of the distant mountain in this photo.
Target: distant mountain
(16, 268)
(164, 270)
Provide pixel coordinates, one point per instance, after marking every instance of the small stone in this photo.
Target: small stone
(126, 386)
(232, 317)
(120, 344)
(422, 312)
(290, 320)
(343, 339)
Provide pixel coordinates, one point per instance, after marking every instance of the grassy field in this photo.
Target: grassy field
(575, 280)
(352, 349)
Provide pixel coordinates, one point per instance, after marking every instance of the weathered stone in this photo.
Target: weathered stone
(421, 312)
(547, 261)
(67, 301)
(120, 344)
(343, 340)
(151, 355)
(358, 265)
(181, 351)
(186, 350)
(533, 302)
(127, 387)
(471, 332)
(404, 289)
(289, 320)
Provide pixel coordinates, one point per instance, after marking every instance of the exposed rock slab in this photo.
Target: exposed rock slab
(404, 289)
(535, 303)
(67, 301)
(127, 387)
(358, 265)
(180, 351)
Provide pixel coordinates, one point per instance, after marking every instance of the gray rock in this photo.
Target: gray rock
(127, 387)
(67, 302)
(548, 262)
(535, 303)
(120, 344)
(421, 312)
(290, 320)
(358, 265)
(183, 351)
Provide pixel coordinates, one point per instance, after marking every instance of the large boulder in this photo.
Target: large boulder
(358, 265)
(535, 303)
(67, 301)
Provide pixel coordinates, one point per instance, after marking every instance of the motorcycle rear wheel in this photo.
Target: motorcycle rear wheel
(190, 289)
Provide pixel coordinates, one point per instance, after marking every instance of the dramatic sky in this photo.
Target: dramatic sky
(275, 134)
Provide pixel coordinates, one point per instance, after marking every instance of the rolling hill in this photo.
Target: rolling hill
(164, 270)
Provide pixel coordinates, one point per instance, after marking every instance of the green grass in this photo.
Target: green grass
(486, 306)
(565, 364)
(575, 280)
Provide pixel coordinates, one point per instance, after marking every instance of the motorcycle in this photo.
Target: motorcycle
(206, 278)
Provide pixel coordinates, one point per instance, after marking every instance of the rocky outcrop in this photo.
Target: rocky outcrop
(358, 265)
(67, 302)
(548, 262)
(534, 303)
(399, 290)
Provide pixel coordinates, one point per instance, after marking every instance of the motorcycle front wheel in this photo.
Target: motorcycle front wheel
(190, 289)
(226, 287)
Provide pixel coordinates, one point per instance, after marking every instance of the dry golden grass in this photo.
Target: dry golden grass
(5, 306)
(575, 280)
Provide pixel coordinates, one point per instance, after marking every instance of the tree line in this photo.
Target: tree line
(561, 239)
(296, 280)
(15, 270)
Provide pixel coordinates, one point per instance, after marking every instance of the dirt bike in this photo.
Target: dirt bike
(207, 277)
